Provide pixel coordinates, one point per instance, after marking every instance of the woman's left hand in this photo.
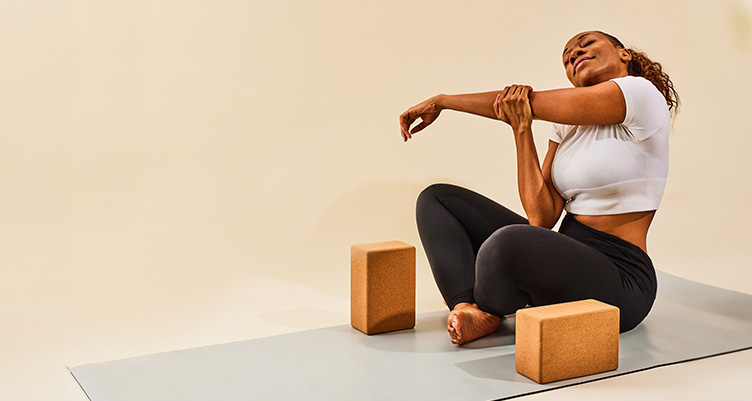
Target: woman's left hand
(513, 105)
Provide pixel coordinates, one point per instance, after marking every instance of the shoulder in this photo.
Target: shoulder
(633, 81)
(645, 103)
(639, 88)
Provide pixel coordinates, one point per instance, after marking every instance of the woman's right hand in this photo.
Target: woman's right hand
(512, 105)
(428, 111)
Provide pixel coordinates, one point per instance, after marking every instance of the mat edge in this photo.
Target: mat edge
(623, 374)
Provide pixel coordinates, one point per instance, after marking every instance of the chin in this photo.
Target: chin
(587, 81)
(580, 80)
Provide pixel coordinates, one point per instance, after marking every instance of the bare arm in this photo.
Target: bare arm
(480, 104)
(556, 205)
(598, 104)
(428, 110)
(591, 105)
(542, 203)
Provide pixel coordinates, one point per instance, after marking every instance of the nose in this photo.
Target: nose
(574, 54)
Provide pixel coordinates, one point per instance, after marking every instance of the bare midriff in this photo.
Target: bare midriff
(631, 227)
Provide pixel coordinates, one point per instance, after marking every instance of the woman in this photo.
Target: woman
(606, 164)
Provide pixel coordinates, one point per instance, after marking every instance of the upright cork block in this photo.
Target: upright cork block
(567, 340)
(382, 287)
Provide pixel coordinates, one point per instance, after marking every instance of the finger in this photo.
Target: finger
(508, 97)
(418, 128)
(497, 107)
(511, 92)
(524, 92)
(501, 108)
(504, 93)
(521, 95)
(405, 122)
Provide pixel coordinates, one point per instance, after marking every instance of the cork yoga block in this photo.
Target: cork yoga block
(382, 287)
(568, 340)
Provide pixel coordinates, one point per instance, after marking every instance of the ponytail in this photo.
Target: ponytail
(642, 66)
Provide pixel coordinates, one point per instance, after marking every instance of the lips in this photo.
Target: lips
(579, 61)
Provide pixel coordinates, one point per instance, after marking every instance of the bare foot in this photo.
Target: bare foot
(467, 323)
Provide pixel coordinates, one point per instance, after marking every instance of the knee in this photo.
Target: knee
(505, 241)
(432, 194)
(434, 190)
(505, 254)
(500, 271)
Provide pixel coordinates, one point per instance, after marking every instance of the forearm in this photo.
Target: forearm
(594, 105)
(480, 104)
(535, 194)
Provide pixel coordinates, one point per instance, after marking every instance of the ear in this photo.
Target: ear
(625, 55)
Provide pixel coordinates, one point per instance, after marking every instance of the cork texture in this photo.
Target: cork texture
(568, 340)
(382, 287)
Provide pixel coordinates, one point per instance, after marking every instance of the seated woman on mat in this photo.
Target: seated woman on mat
(606, 164)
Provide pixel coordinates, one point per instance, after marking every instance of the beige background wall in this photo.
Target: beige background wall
(177, 173)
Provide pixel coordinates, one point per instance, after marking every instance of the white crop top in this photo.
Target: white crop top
(619, 168)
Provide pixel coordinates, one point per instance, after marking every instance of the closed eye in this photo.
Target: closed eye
(588, 43)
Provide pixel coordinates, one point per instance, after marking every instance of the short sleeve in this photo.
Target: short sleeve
(556, 134)
(647, 112)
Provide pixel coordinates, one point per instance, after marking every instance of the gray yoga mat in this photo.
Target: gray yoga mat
(689, 321)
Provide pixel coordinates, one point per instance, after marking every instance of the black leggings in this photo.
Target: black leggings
(480, 252)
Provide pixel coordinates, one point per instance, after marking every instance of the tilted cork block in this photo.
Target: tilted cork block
(563, 341)
(382, 287)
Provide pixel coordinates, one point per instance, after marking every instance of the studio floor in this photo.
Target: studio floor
(41, 341)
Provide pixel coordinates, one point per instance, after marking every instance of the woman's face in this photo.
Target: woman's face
(590, 58)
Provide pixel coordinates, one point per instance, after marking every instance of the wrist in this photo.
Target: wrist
(440, 101)
(523, 128)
